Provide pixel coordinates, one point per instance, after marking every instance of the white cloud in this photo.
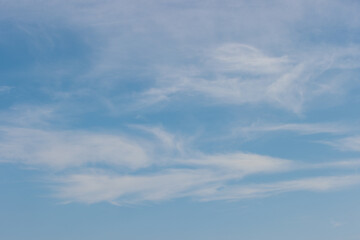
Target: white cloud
(337, 224)
(240, 74)
(5, 89)
(350, 164)
(171, 168)
(66, 149)
(256, 40)
(301, 128)
(169, 140)
(29, 115)
(197, 175)
(315, 184)
(228, 52)
(346, 144)
(242, 163)
(117, 163)
(200, 184)
(70, 149)
(243, 58)
(97, 187)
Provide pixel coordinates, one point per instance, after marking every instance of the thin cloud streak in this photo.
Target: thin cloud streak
(115, 166)
(315, 184)
(242, 74)
(218, 53)
(67, 149)
(300, 128)
(243, 163)
(131, 189)
(201, 185)
(351, 143)
(5, 89)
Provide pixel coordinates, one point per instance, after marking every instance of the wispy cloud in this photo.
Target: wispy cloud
(241, 58)
(337, 224)
(5, 89)
(29, 116)
(300, 128)
(317, 184)
(351, 143)
(97, 23)
(140, 54)
(170, 141)
(242, 163)
(61, 150)
(265, 66)
(92, 188)
(202, 185)
(94, 167)
(241, 74)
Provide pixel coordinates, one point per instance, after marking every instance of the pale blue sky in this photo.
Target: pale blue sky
(179, 119)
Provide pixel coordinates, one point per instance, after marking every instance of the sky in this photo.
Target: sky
(179, 119)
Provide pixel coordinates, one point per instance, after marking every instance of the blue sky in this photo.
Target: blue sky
(179, 119)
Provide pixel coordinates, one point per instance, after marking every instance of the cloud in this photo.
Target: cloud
(170, 141)
(71, 149)
(95, 167)
(243, 163)
(29, 116)
(242, 53)
(344, 164)
(301, 128)
(66, 149)
(92, 167)
(315, 184)
(198, 184)
(351, 143)
(5, 89)
(337, 224)
(241, 58)
(240, 74)
(222, 53)
(97, 187)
